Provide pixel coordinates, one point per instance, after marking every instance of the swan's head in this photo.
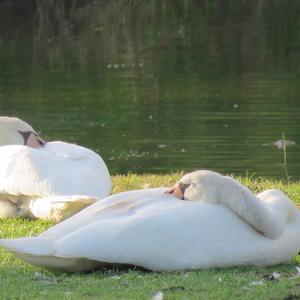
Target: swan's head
(14, 131)
(198, 186)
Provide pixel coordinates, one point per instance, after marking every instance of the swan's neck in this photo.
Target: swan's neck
(262, 216)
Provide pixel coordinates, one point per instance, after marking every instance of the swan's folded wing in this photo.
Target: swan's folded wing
(85, 172)
(112, 207)
(44, 172)
(101, 234)
(18, 173)
(107, 241)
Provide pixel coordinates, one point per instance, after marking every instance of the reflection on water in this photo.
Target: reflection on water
(155, 86)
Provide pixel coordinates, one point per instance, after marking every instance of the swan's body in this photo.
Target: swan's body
(37, 181)
(156, 231)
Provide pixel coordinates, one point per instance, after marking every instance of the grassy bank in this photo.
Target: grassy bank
(22, 281)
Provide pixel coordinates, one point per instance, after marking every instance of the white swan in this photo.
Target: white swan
(39, 179)
(155, 230)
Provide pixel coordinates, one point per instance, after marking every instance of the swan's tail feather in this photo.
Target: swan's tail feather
(28, 245)
(40, 251)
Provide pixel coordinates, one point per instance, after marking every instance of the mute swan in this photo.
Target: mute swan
(220, 224)
(39, 179)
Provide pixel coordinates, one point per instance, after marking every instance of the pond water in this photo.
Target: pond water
(158, 86)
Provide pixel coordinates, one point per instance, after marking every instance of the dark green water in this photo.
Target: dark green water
(156, 86)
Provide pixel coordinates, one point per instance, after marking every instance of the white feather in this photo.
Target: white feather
(58, 169)
(150, 229)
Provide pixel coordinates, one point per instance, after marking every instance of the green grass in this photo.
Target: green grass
(19, 280)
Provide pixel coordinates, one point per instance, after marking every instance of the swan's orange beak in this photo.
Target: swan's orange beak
(32, 139)
(177, 191)
(35, 141)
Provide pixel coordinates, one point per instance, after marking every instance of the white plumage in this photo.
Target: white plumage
(156, 231)
(35, 181)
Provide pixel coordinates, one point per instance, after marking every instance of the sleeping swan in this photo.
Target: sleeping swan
(43, 180)
(213, 221)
